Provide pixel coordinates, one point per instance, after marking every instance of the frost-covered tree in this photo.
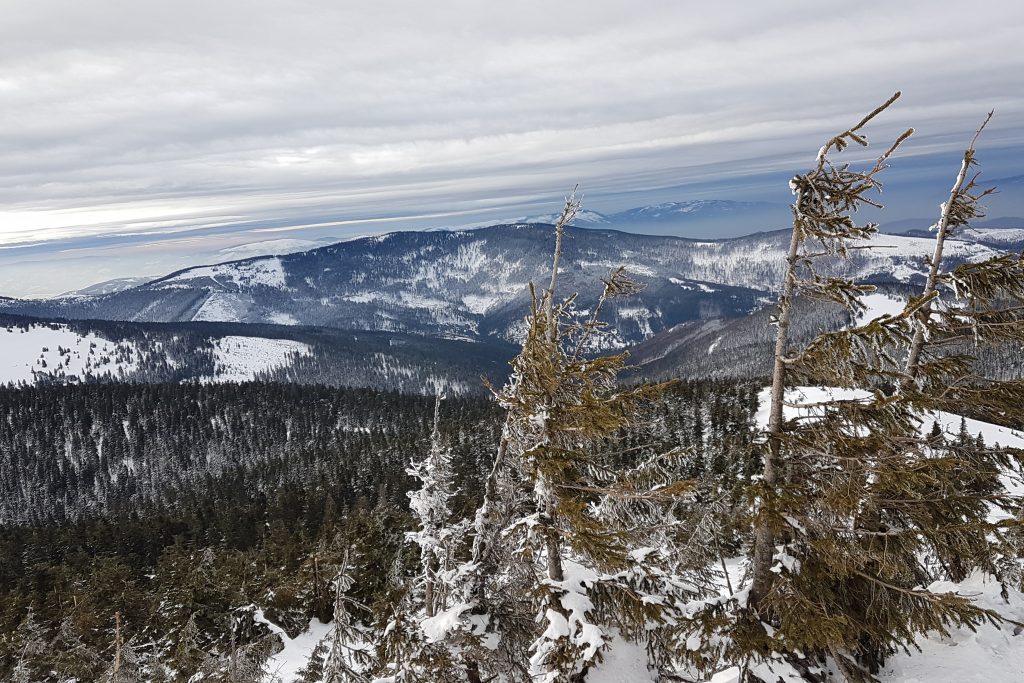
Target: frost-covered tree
(429, 503)
(32, 642)
(346, 658)
(570, 554)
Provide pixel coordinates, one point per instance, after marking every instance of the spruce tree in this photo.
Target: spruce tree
(346, 659)
(858, 508)
(429, 503)
(31, 644)
(571, 553)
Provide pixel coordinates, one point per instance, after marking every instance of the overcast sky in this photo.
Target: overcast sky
(137, 136)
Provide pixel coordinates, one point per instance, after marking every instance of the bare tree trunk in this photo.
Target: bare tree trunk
(553, 545)
(552, 542)
(764, 539)
(233, 660)
(941, 229)
(572, 205)
(317, 598)
(118, 644)
(428, 589)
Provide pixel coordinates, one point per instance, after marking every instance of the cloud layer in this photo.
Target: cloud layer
(129, 116)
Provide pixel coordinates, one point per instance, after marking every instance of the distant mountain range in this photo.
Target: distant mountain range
(473, 284)
(908, 225)
(687, 215)
(110, 286)
(418, 311)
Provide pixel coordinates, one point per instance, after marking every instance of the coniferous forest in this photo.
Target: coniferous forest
(119, 497)
(816, 515)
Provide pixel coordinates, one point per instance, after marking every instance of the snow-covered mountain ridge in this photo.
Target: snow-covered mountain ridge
(472, 284)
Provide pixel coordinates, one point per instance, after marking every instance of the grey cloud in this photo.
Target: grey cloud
(185, 114)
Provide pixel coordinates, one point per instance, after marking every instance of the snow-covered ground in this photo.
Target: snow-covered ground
(877, 305)
(268, 272)
(220, 307)
(240, 359)
(948, 422)
(55, 352)
(283, 319)
(28, 354)
(910, 249)
(623, 661)
(714, 344)
(287, 663)
(991, 653)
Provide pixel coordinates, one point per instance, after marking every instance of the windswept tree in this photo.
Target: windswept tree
(571, 555)
(859, 506)
(961, 309)
(822, 227)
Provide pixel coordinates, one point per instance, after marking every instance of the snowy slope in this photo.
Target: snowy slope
(223, 307)
(991, 654)
(1009, 238)
(241, 359)
(296, 653)
(265, 271)
(39, 352)
(49, 352)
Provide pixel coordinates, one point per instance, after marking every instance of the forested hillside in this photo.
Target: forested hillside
(96, 351)
(216, 497)
(742, 347)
